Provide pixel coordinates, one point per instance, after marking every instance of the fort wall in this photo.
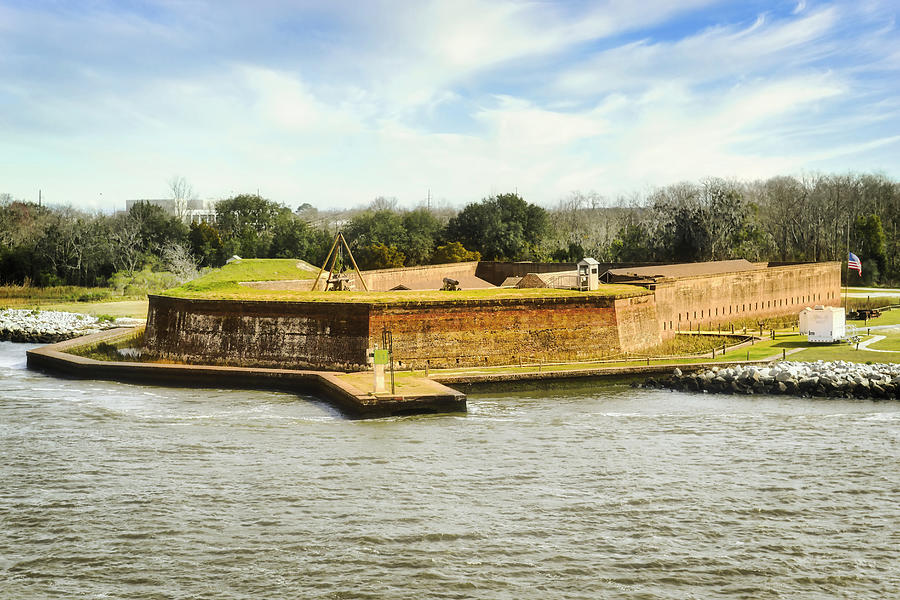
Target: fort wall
(724, 298)
(332, 335)
(321, 335)
(498, 332)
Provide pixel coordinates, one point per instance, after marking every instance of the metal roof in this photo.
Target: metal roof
(686, 269)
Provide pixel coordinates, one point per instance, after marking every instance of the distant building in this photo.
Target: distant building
(196, 211)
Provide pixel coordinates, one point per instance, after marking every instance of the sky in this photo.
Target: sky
(336, 103)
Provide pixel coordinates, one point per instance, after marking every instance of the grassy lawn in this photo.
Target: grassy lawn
(136, 309)
(863, 290)
(226, 278)
(232, 291)
(88, 301)
(891, 342)
(889, 317)
(17, 296)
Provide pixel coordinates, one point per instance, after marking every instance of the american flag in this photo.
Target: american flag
(853, 264)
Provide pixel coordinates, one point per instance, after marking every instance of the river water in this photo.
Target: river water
(589, 490)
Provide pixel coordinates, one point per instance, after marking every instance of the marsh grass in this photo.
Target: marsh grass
(18, 295)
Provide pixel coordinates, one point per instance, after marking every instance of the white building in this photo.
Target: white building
(824, 324)
(196, 211)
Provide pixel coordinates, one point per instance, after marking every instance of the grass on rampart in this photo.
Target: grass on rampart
(226, 279)
(223, 284)
(243, 293)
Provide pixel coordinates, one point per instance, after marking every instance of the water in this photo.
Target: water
(111, 490)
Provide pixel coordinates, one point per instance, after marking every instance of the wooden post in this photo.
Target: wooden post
(353, 260)
(327, 256)
(783, 354)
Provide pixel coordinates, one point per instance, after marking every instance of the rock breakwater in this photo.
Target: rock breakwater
(49, 326)
(837, 379)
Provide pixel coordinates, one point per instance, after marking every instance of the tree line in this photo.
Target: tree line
(782, 219)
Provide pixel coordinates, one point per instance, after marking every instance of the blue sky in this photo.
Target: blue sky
(335, 103)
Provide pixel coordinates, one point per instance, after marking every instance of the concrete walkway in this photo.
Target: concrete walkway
(414, 397)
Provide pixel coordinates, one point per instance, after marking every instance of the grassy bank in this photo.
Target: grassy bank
(14, 296)
(83, 300)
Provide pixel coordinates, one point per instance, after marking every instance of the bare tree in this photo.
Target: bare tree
(180, 262)
(182, 195)
(128, 243)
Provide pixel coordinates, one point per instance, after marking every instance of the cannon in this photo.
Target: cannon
(450, 285)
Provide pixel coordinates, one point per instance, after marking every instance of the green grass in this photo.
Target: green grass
(224, 284)
(15, 296)
(235, 292)
(136, 309)
(890, 342)
(888, 317)
(226, 279)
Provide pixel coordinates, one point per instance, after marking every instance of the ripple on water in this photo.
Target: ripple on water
(584, 491)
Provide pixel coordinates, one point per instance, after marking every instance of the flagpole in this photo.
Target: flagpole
(847, 256)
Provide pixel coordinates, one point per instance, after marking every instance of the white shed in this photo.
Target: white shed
(588, 274)
(823, 324)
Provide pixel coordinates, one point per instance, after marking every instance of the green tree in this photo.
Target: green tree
(291, 237)
(422, 229)
(633, 243)
(379, 256)
(206, 244)
(503, 227)
(156, 228)
(376, 227)
(453, 252)
(868, 233)
(246, 223)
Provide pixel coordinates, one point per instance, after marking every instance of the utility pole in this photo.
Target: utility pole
(40, 198)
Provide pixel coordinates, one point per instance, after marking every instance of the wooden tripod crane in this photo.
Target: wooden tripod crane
(331, 261)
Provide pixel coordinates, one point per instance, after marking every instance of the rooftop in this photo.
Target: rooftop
(682, 270)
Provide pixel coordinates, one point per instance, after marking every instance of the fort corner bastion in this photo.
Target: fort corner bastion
(490, 326)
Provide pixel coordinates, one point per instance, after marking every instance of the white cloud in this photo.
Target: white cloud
(464, 98)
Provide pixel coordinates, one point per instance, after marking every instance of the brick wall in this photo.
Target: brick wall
(472, 333)
(323, 335)
(637, 323)
(731, 297)
(337, 335)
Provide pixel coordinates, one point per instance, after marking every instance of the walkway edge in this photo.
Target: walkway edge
(324, 384)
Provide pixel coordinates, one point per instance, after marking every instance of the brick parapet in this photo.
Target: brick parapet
(724, 298)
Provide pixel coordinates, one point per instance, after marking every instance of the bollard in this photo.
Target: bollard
(783, 354)
(748, 355)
